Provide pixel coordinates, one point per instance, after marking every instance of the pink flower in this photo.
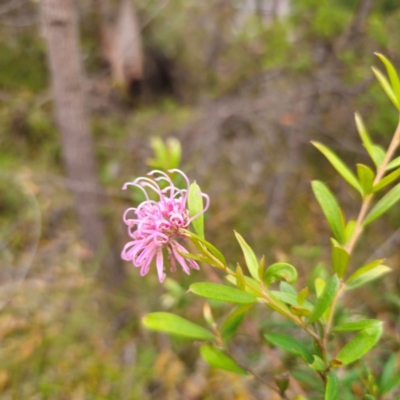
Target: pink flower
(158, 225)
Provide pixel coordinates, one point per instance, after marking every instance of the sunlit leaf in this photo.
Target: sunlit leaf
(393, 164)
(384, 204)
(325, 300)
(367, 142)
(218, 359)
(173, 324)
(330, 209)
(195, 202)
(379, 154)
(222, 293)
(340, 259)
(175, 152)
(386, 87)
(240, 282)
(291, 345)
(249, 256)
(365, 268)
(216, 253)
(394, 78)
(253, 287)
(350, 227)
(367, 276)
(387, 180)
(232, 322)
(361, 344)
(280, 272)
(339, 165)
(301, 297)
(290, 298)
(366, 178)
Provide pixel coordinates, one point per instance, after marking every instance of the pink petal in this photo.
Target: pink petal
(160, 266)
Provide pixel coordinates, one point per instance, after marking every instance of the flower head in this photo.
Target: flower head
(159, 224)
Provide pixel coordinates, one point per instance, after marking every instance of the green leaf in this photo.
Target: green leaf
(233, 321)
(195, 202)
(280, 272)
(394, 78)
(379, 154)
(291, 345)
(249, 281)
(357, 325)
(364, 269)
(240, 282)
(366, 177)
(361, 344)
(385, 383)
(218, 359)
(286, 288)
(250, 257)
(339, 165)
(393, 164)
(367, 142)
(221, 293)
(214, 251)
(318, 364)
(174, 151)
(330, 209)
(332, 391)
(319, 286)
(386, 87)
(340, 258)
(325, 300)
(383, 205)
(387, 180)
(160, 152)
(301, 297)
(290, 298)
(171, 323)
(367, 276)
(351, 225)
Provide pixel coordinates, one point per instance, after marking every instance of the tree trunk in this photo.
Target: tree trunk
(60, 28)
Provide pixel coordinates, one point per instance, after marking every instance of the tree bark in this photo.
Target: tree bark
(60, 29)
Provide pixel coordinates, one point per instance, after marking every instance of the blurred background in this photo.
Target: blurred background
(90, 90)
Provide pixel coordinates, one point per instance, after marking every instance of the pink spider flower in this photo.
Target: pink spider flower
(157, 225)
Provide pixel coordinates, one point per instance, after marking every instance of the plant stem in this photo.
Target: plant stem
(349, 247)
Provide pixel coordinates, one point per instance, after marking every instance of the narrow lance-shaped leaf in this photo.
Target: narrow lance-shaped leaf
(394, 78)
(383, 205)
(332, 391)
(357, 325)
(318, 364)
(364, 269)
(195, 202)
(393, 164)
(240, 282)
(222, 293)
(340, 258)
(387, 180)
(368, 276)
(249, 256)
(253, 287)
(389, 379)
(325, 300)
(366, 177)
(339, 165)
(291, 345)
(379, 154)
(173, 324)
(214, 251)
(218, 359)
(361, 344)
(330, 209)
(290, 298)
(367, 142)
(280, 272)
(175, 152)
(386, 87)
(350, 227)
(233, 321)
(301, 297)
